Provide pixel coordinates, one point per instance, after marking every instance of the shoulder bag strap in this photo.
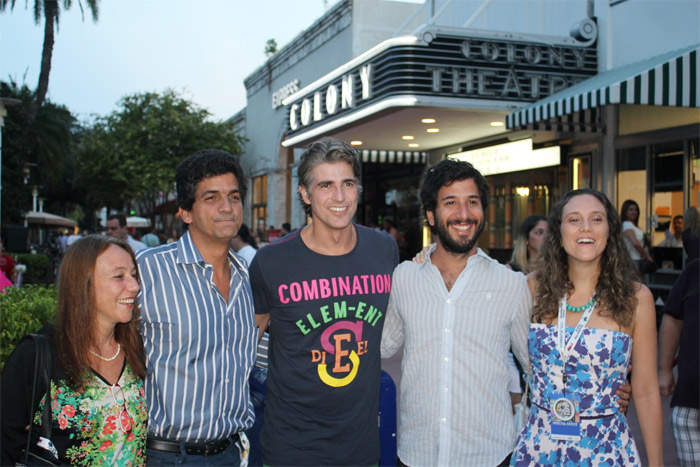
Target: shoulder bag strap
(42, 371)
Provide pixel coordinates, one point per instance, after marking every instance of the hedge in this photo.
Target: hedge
(36, 266)
(23, 311)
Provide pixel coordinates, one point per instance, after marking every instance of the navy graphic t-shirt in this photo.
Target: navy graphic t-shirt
(326, 319)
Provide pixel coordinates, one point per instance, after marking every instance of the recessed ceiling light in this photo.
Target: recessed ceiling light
(356, 143)
(414, 145)
(433, 130)
(496, 123)
(408, 137)
(428, 120)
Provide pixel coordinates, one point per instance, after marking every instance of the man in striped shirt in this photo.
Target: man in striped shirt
(198, 323)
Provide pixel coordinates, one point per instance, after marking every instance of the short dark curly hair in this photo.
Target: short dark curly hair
(444, 173)
(205, 164)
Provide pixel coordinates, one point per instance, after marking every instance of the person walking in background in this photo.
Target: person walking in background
(7, 264)
(198, 323)
(388, 227)
(98, 407)
(531, 235)
(117, 228)
(632, 234)
(691, 233)
(588, 309)
(151, 239)
(244, 244)
(679, 335)
(674, 240)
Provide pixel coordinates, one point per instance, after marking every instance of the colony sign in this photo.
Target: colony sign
(450, 66)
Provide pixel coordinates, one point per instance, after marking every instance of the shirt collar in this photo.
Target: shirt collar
(187, 253)
(479, 254)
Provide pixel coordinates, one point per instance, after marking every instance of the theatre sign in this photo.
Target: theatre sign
(449, 66)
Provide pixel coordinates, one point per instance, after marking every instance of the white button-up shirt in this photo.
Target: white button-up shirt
(455, 406)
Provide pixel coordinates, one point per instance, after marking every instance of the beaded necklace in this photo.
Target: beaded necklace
(579, 309)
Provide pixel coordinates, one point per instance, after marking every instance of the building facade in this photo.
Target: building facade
(542, 97)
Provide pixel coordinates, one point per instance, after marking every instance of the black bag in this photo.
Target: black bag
(33, 454)
(646, 266)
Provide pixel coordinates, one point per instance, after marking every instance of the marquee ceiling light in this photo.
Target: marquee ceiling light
(408, 137)
(414, 145)
(428, 120)
(496, 123)
(356, 143)
(433, 130)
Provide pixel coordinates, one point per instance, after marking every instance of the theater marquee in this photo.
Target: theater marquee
(453, 67)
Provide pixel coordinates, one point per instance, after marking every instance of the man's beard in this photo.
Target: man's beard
(453, 246)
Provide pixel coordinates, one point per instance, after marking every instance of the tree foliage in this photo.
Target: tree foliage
(132, 153)
(44, 147)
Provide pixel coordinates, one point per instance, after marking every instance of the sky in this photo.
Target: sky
(203, 49)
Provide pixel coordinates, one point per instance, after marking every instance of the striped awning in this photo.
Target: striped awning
(670, 79)
(391, 157)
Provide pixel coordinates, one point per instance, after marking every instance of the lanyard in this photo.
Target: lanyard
(563, 346)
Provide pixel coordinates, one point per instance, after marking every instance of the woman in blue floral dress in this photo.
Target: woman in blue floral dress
(589, 309)
(96, 396)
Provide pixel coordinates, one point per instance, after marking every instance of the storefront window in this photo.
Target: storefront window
(499, 227)
(580, 170)
(667, 188)
(260, 203)
(694, 188)
(632, 180)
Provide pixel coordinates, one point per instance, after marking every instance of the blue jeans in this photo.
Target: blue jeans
(230, 457)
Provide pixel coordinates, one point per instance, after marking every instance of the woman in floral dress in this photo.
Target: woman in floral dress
(97, 400)
(589, 308)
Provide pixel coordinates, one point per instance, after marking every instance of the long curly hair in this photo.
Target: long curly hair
(75, 312)
(617, 281)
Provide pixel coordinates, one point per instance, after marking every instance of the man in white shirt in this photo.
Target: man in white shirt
(457, 316)
(116, 227)
(674, 240)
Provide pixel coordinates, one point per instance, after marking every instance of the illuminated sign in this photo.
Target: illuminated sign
(492, 69)
(510, 157)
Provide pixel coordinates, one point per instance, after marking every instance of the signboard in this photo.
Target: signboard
(510, 157)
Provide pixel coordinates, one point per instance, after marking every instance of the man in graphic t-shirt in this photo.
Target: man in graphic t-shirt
(324, 291)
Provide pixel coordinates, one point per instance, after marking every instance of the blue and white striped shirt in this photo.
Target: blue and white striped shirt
(200, 349)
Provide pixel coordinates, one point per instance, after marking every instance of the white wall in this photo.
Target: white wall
(637, 29)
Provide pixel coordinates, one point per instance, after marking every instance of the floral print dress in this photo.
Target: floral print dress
(102, 424)
(596, 367)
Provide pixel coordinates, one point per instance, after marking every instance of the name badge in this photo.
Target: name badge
(565, 421)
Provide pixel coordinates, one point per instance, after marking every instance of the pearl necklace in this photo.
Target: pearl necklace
(119, 349)
(579, 309)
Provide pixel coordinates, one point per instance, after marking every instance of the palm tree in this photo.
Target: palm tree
(50, 11)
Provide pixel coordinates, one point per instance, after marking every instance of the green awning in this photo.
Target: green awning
(670, 79)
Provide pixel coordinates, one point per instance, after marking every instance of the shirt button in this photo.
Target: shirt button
(226, 380)
(447, 359)
(443, 420)
(447, 329)
(449, 300)
(444, 390)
